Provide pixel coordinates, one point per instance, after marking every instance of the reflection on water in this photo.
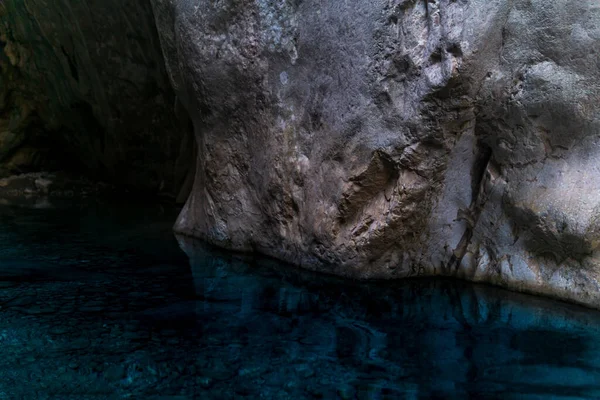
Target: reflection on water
(415, 338)
(99, 302)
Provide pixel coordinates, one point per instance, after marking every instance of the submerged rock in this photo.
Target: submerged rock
(386, 139)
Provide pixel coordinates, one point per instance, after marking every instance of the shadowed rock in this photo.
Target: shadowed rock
(83, 88)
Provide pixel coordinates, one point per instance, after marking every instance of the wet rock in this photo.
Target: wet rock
(36, 309)
(79, 343)
(204, 381)
(315, 390)
(305, 371)
(59, 330)
(46, 190)
(346, 392)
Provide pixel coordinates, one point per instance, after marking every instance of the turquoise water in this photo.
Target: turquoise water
(98, 301)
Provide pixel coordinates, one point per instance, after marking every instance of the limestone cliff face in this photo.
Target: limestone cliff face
(85, 81)
(390, 138)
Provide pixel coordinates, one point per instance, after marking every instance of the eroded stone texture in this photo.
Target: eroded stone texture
(85, 82)
(384, 139)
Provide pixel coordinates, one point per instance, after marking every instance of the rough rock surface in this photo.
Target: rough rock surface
(54, 190)
(84, 83)
(389, 138)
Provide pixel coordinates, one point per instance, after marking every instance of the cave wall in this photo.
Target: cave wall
(396, 138)
(85, 81)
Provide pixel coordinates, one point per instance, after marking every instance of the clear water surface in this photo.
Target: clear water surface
(98, 301)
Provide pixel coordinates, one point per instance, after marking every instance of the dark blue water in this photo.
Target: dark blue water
(99, 302)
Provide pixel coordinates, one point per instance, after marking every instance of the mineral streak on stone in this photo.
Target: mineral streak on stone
(387, 138)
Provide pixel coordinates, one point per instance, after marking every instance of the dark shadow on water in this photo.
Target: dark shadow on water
(98, 301)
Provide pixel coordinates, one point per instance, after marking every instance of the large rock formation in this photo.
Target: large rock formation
(83, 86)
(370, 139)
(391, 138)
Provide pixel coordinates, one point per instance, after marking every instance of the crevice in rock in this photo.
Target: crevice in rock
(471, 214)
(185, 166)
(72, 65)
